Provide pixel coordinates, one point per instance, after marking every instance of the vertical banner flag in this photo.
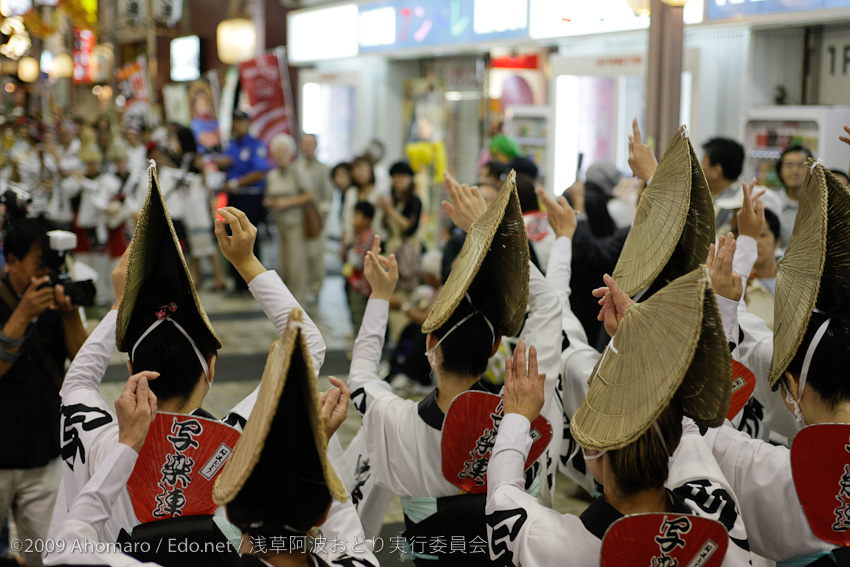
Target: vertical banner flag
(135, 85)
(266, 80)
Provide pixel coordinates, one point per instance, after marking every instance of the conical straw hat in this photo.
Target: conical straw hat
(671, 345)
(283, 445)
(674, 222)
(815, 271)
(157, 275)
(496, 253)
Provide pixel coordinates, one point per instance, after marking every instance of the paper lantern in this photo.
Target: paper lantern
(236, 40)
(63, 66)
(28, 69)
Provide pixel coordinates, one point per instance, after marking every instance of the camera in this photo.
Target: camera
(83, 292)
(60, 242)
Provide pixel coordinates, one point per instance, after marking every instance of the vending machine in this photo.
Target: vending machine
(767, 130)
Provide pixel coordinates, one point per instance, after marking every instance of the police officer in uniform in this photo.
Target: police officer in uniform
(246, 162)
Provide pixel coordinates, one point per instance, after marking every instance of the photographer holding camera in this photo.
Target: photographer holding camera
(40, 329)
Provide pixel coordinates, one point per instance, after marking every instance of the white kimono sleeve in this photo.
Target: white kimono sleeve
(343, 527)
(75, 541)
(520, 531)
(760, 475)
(543, 331)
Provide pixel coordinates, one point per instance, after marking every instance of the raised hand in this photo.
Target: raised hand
(136, 408)
(562, 217)
(724, 280)
(751, 216)
(334, 404)
(467, 203)
(523, 392)
(380, 272)
(641, 159)
(614, 302)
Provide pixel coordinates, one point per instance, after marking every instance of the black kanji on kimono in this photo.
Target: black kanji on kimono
(88, 418)
(505, 526)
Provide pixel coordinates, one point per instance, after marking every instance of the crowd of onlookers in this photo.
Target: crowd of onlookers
(91, 178)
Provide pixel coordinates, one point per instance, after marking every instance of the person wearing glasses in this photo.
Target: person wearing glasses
(791, 170)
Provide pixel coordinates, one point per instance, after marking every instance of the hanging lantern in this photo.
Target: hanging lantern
(28, 69)
(640, 7)
(63, 66)
(236, 40)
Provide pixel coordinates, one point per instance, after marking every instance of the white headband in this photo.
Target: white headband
(156, 324)
(810, 353)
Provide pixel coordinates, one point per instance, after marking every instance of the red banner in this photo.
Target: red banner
(268, 94)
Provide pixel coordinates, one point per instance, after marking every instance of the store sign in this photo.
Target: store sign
(834, 67)
(338, 37)
(186, 58)
(556, 18)
(84, 41)
(729, 9)
(439, 23)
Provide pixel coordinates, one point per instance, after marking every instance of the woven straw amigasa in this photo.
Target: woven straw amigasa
(815, 271)
(288, 363)
(671, 345)
(157, 274)
(496, 253)
(673, 226)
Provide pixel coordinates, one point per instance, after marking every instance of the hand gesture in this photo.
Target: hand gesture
(136, 408)
(576, 193)
(641, 159)
(380, 272)
(523, 392)
(614, 302)
(751, 216)
(562, 217)
(467, 203)
(62, 302)
(239, 247)
(725, 281)
(334, 404)
(36, 299)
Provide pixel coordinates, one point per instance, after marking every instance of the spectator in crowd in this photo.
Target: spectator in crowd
(103, 135)
(363, 189)
(402, 212)
(286, 195)
(246, 163)
(494, 172)
(409, 367)
(316, 178)
(137, 153)
(41, 330)
(841, 176)
(358, 286)
(503, 148)
(791, 170)
(722, 164)
(601, 179)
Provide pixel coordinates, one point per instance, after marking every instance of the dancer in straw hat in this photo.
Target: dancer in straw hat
(808, 356)
(484, 298)
(669, 358)
(291, 419)
(161, 324)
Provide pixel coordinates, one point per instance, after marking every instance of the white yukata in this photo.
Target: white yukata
(523, 533)
(90, 430)
(92, 509)
(760, 475)
(402, 438)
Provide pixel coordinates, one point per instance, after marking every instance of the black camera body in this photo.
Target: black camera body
(83, 292)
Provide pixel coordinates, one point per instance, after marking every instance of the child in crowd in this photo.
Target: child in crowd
(358, 287)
